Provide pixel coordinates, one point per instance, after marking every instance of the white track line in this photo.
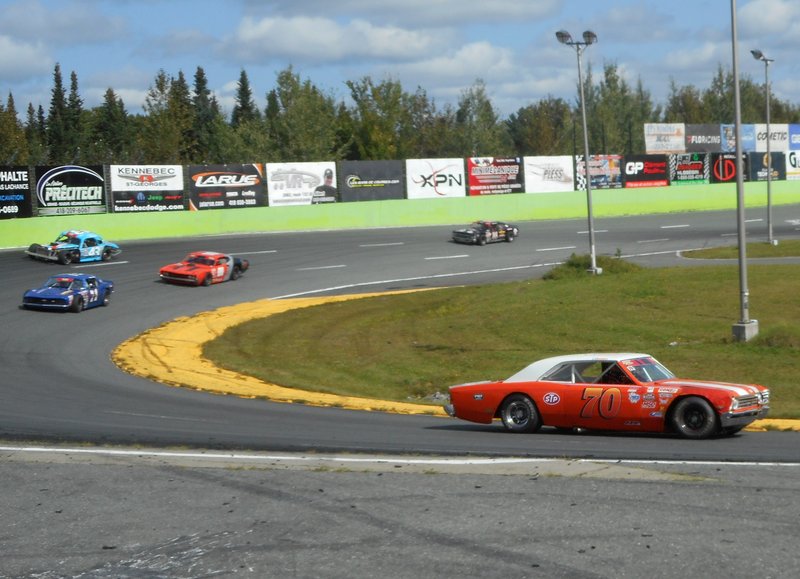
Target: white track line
(653, 240)
(683, 226)
(256, 252)
(320, 267)
(556, 248)
(381, 244)
(448, 257)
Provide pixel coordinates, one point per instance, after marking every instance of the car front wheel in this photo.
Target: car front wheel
(693, 417)
(518, 413)
(77, 305)
(206, 281)
(65, 257)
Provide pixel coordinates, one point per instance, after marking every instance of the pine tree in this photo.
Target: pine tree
(57, 128)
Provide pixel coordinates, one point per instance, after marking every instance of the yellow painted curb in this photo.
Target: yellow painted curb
(173, 354)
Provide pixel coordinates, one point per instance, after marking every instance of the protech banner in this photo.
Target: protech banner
(371, 180)
(15, 192)
(226, 186)
(70, 190)
(549, 174)
(689, 169)
(758, 165)
(435, 178)
(495, 175)
(142, 188)
(645, 171)
(604, 170)
(301, 183)
(664, 137)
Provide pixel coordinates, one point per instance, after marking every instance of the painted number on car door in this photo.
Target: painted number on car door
(603, 402)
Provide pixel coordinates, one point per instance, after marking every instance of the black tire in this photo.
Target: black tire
(77, 305)
(106, 298)
(206, 281)
(693, 417)
(481, 240)
(510, 237)
(65, 257)
(106, 254)
(236, 273)
(518, 414)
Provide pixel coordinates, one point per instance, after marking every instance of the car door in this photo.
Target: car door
(221, 268)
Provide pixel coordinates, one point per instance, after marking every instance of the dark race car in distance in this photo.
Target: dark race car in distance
(69, 291)
(483, 232)
(204, 268)
(75, 246)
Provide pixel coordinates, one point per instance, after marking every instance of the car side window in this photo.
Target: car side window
(613, 374)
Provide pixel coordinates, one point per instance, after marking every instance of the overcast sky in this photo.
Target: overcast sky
(442, 46)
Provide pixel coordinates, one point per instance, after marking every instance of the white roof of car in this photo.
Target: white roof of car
(538, 369)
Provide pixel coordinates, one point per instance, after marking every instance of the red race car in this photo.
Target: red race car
(630, 392)
(204, 268)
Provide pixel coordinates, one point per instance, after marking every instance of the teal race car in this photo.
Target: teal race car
(75, 246)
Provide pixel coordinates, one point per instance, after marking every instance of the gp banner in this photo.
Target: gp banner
(549, 174)
(728, 133)
(435, 178)
(689, 169)
(758, 165)
(645, 171)
(664, 138)
(604, 171)
(495, 175)
(703, 139)
(723, 167)
(70, 190)
(226, 186)
(793, 166)
(301, 183)
(141, 188)
(779, 137)
(15, 192)
(371, 180)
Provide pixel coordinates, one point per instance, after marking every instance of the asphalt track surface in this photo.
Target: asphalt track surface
(59, 384)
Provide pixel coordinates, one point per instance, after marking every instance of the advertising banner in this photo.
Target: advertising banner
(435, 178)
(495, 175)
(689, 169)
(703, 139)
(779, 137)
(793, 166)
(664, 138)
(70, 190)
(301, 183)
(794, 137)
(604, 170)
(758, 163)
(15, 192)
(645, 171)
(137, 188)
(728, 133)
(549, 174)
(371, 180)
(723, 167)
(226, 186)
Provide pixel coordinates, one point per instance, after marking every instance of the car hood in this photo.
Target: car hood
(48, 292)
(465, 230)
(734, 389)
(186, 267)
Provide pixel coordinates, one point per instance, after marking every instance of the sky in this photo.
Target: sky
(441, 46)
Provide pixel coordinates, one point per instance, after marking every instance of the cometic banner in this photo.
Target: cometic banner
(604, 170)
(549, 174)
(15, 192)
(371, 180)
(758, 164)
(779, 137)
(723, 168)
(645, 171)
(664, 138)
(793, 166)
(70, 190)
(435, 178)
(495, 175)
(301, 183)
(136, 188)
(225, 186)
(703, 139)
(689, 169)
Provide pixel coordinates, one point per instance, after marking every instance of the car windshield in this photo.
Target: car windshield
(647, 370)
(66, 239)
(200, 260)
(59, 282)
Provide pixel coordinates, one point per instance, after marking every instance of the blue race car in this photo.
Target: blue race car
(69, 291)
(75, 246)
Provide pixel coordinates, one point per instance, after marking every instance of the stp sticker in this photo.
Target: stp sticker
(551, 398)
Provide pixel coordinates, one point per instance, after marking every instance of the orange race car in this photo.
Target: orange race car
(609, 392)
(204, 268)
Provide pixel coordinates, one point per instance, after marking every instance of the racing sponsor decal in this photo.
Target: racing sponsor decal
(604, 170)
(728, 134)
(495, 175)
(136, 188)
(435, 178)
(664, 138)
(371, 180)
(226, 186)
(703, 139)
(634, 397)
(301, 183)
(549, 174)
(15, 192)
(70, 190)
(605, 403)
(779, 137)
(551, 398)
(723, 167)
(689, 169)
(758, 165)
(645, 171)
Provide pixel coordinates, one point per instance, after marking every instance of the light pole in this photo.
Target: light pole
(758, 55)
(589, 37)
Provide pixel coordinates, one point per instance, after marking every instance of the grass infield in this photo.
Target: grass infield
(411, 346)
(785, 248)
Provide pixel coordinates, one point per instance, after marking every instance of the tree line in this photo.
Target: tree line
(183, 124)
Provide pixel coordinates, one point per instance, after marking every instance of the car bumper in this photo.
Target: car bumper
(46, 305)
(733, 419)
(464, 239)
(450, 409)
(179, 279)
(48, 256)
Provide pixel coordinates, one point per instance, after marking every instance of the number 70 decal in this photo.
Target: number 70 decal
(605, 403)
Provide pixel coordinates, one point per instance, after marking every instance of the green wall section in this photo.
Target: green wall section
(16, 233)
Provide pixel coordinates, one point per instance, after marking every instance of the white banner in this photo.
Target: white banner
(549, 174)
(301, 183)
(665, 138)
(146, 177)
(434, 178)
(779, 134)
(793, 166)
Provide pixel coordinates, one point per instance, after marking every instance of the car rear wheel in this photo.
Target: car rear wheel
(510, 237)
(693, 417)
(518, 413)
(236, 273)
(106, 298)
(77, 305)
(106, 254)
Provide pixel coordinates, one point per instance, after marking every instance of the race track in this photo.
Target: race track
(59, 383)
